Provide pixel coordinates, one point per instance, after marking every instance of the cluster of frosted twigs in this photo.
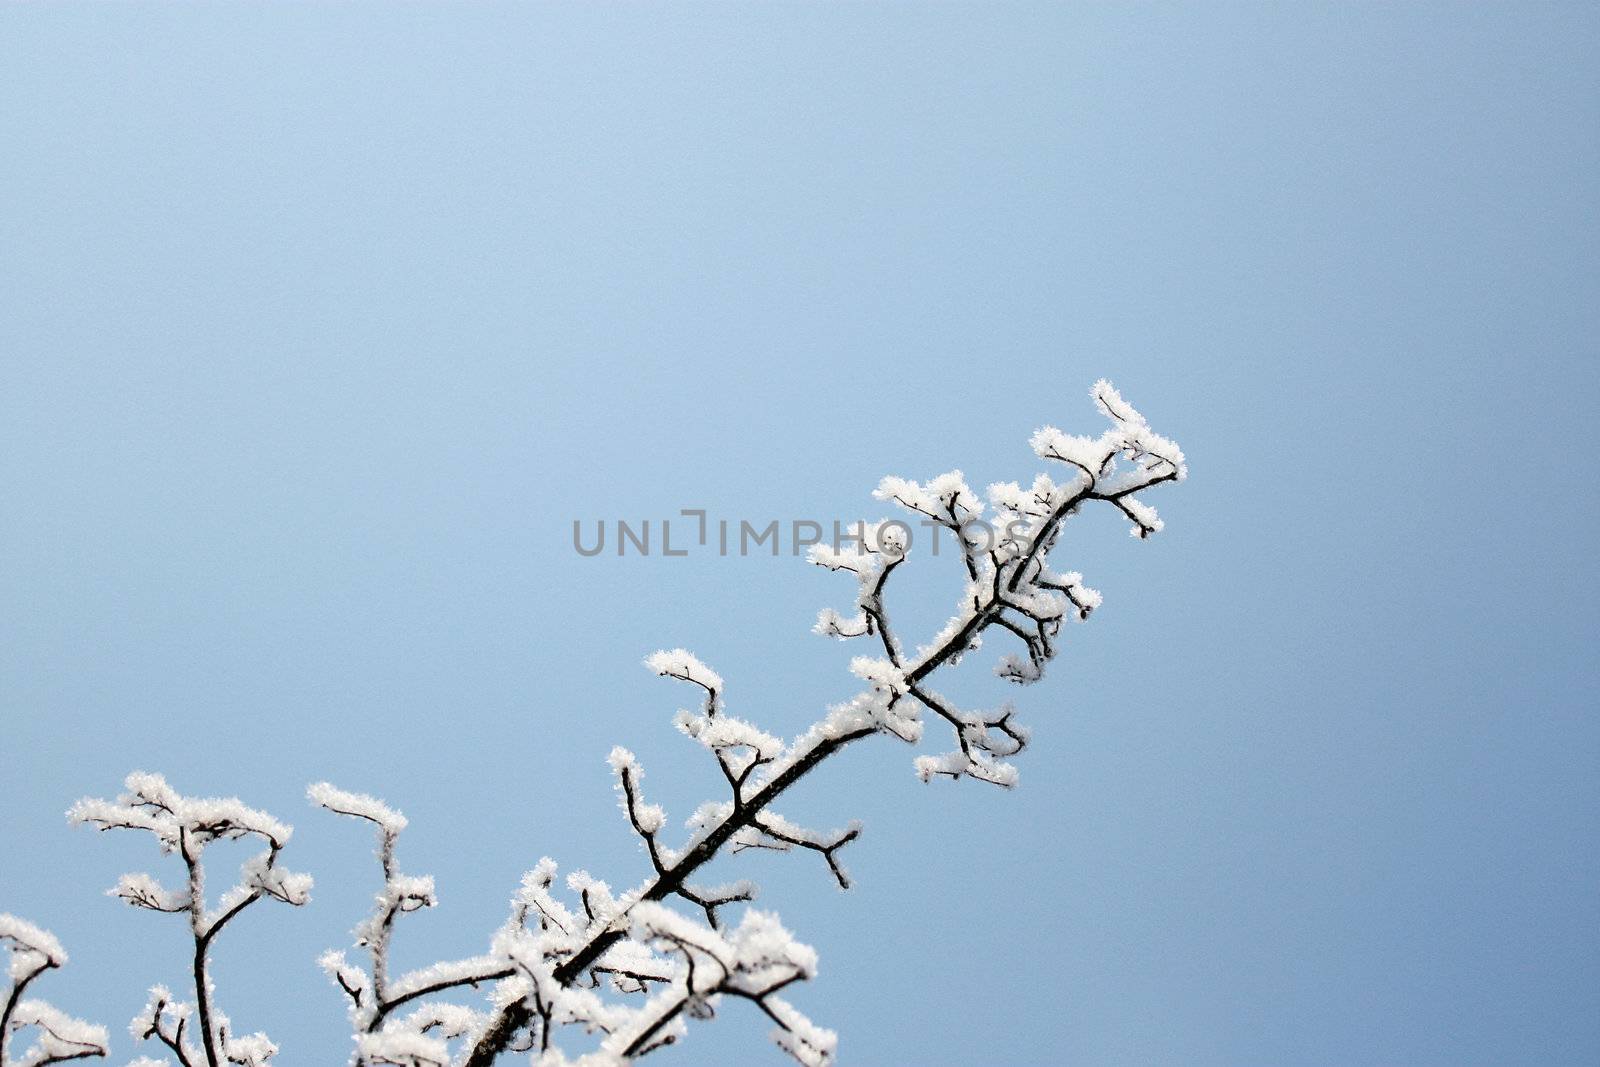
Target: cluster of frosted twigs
(623, 972)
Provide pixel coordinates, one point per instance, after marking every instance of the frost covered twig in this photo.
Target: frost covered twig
(1008, 586)
(418, 1039)
(58, 1036)
(186, 826)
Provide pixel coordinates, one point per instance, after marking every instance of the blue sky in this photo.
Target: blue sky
(320, 325)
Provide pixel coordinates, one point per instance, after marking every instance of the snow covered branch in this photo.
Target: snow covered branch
(58, 1037)
(1008, 588)
(418, 1039)
(185, 826)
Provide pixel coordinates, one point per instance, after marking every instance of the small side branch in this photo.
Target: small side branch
(709, 900)
(781, 830)
(646, 819)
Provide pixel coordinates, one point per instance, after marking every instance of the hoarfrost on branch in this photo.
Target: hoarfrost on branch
(623, 973)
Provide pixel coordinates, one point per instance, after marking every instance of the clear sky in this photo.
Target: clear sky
(319, 325)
